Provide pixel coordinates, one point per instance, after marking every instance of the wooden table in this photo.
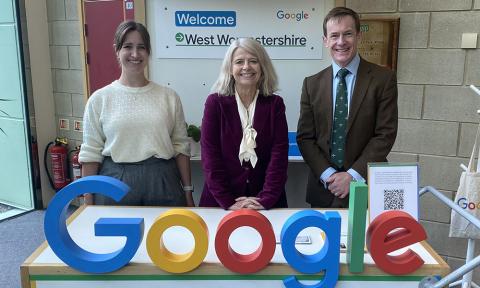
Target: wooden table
(44, 269)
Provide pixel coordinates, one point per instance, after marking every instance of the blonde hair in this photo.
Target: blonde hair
(225, 84)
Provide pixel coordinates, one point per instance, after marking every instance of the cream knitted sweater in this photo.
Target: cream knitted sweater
(131, 124)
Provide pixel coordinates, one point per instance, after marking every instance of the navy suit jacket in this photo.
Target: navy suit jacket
(225, 177)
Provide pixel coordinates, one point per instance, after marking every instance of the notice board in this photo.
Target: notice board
(193, 73)
(190, 38)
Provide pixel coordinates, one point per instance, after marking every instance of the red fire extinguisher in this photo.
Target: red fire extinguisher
(58, 162)
(76, 167)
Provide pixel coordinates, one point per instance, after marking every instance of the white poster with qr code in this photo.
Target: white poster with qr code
(392, 186)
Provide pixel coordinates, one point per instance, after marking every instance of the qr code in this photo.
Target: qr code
(393, 199)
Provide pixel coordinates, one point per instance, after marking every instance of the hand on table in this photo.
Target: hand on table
(247, 202)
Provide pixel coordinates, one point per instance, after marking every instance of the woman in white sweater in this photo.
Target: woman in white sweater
(134, 130)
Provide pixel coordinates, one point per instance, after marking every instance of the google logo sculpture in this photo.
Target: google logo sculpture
(407, 232)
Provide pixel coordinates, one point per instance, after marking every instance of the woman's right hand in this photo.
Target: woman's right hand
(236, 206)
(89, 168)
(190, 202)
(247, 202)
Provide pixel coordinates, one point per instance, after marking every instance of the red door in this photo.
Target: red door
(101, 18)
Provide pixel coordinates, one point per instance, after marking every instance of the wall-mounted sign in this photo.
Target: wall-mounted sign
(379, 42)
(204, 28)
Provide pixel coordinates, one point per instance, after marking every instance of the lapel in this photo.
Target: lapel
(325, 91)
(359, 91)
(261, 113)
(232, 113)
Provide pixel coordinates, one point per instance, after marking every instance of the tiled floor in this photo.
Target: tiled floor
(9, 211)
(19, 237)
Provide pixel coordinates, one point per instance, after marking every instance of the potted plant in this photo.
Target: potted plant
(194, 133)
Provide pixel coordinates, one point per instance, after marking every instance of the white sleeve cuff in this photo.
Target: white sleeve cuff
(356, 176)
(90, 154)
(326, 174)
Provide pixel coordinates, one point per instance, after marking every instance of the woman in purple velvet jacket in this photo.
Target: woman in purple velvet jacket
(244, 133)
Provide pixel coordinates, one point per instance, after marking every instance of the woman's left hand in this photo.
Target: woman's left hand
(249, 203)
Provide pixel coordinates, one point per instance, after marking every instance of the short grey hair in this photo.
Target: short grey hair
(268, 83)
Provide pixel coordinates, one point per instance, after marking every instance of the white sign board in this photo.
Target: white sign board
(392, 186)
(203, 28)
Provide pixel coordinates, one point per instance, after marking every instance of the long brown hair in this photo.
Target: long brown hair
(127, 26)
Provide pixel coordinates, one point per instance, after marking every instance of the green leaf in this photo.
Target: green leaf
(194, 132)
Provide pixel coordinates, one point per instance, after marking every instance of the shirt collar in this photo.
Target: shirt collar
(239, 101)
(352, 66)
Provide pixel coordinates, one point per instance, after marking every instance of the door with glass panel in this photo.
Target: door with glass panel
(16, 188)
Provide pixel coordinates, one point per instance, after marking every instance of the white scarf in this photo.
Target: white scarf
(248, 144)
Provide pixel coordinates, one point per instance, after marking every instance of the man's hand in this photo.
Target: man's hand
(339, 184)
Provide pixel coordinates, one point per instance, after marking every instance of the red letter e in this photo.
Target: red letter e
(380, 242)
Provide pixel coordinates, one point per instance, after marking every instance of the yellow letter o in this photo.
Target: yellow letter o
(171, 262)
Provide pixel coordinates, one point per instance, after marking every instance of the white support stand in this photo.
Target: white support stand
(475, 89)
(470, 264)
(466, 280)
(471, 261)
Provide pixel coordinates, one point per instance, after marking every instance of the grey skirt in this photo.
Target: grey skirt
(152, 182)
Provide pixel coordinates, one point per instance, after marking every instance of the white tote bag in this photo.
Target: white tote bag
(468, 192)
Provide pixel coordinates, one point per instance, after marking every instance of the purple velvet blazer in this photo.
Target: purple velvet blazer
(225, 177)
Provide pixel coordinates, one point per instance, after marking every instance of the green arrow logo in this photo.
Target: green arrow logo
(179, 37)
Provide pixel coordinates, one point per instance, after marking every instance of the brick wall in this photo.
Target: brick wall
(67, 75)
(437, 110)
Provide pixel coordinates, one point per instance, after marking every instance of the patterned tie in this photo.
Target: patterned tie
(340, 118)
